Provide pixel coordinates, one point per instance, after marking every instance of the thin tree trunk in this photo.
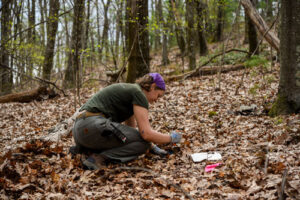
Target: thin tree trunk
(68, 46)
(178, 30)
(31, 34)
(163, 24)
(246, 39)
(138, 40)
(118, 31)
(17, 28)
(5, 79)
(98, 30)
(76, 44)
(104, 43)
(87, 25)
(269, 10)
(191, 40)
(52, 26)
(201, 10)
(220, 22)
(157, 21)
(252, 35)
(42, 27)
(261, 25)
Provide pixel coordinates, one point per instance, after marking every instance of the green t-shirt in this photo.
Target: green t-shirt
(116, 101)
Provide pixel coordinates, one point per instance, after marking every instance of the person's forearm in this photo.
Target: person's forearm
(156, 137)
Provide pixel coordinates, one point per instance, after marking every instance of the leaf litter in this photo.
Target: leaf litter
(255, 149)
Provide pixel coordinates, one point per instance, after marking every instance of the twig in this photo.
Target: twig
(34, 78)
(153, 173)
(27, 29)
(266, 161)
(283, 184)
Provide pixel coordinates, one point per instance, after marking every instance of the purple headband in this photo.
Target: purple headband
(158, 80)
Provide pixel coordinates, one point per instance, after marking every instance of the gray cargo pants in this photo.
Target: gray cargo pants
(97, 133)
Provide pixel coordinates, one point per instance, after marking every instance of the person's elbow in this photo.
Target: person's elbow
(146, 135)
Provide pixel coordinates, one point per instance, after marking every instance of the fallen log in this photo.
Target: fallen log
(206, 71)
(195, 72)
(38, 94)
(61, 129)
(261, 25)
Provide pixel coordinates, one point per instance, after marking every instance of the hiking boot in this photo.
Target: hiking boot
(94, 162)
(74, 150)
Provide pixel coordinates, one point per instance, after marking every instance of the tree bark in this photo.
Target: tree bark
(220, 22)
(104, 39)
(191, 39)
(163, 25)
(178, 29)
(252, 35)
(261, 25)
(138, 40)
(157, 31)
(118, 32)
(52, 26)
(42, 27)
(28, 96)
(76, 44)
(288, 97)
(201, 11)
(31, 35)
(5, 75)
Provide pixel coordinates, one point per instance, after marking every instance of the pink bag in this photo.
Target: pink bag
(209, 168)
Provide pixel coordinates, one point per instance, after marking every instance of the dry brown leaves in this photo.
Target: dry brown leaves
(256, 149)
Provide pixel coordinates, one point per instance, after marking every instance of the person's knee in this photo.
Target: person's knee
(143, 146)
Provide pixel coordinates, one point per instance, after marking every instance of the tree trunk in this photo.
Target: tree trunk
(31, 35)
(17, 29)
(138, 40)
(269, 10)
(98, 31)
(247, 19)
(178, 29)
(118, 32)
(52, 25)
(87, 26)
(220, 22)
(157, 28)
(191, 40)
(68, 46)
(163, 24)
(261, 25)
(76, 44)
(252, 35)
(28, 96)
(288, 97)
(42, 26)
(201, 11)
(5, 75)
(104, 39)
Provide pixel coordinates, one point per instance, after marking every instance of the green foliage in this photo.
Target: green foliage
(255, 61)
(253, 90)
(212, 113)
(278, 120)
(270, 79)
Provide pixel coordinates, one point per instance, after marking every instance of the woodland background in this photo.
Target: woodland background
(232, 70)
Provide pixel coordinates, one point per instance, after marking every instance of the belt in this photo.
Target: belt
(86, 114)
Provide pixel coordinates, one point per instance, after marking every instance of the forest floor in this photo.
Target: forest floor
(259, 153)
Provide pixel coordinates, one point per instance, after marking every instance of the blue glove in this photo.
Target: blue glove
(175, 137)
(156, 150)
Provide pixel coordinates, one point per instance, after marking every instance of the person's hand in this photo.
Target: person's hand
(156, 150)
(175, 137)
